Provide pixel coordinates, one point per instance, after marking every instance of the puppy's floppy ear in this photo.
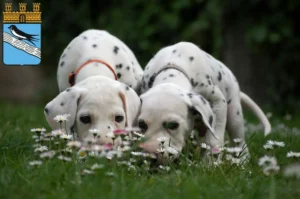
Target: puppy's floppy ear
(131, 104)
(200, 106)
(64, 103)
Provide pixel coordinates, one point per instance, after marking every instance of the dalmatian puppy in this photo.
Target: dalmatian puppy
(96, 102)
(97, 52)
(182, 82)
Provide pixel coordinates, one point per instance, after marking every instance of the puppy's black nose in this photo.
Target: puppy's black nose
(46, 111)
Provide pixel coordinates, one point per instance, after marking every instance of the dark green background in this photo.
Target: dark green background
(258, 40)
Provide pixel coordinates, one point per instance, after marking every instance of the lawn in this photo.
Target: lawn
(57, 179)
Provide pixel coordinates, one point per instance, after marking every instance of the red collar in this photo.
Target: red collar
(73, 74)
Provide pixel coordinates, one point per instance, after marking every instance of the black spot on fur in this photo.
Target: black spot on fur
(220, 76)
(228, 102)
(164, 78)
(147, 67)
(69, 48)
(224, 100)
(179, 55)
(63, 56)
(226, 89)
(202, 99)
(128, 68)
(151, 80)
(201, 84)
(94, 45)
(132, 63)
(171, 75)
(191, 58)
(127, 88)
(130, 86)
(174, 51)
(96, 64)
(62, 103)
(208, 55)
(190, 95)
(108, 127)
(119, 75)
(116, 49)
(119, 66)
(211, 105)
(68, 89)
(84, 37)
(213, 92)
(194, 84)
(209, 82)
(62, 64)
(207, 76)
(210, 120)
(238, 112)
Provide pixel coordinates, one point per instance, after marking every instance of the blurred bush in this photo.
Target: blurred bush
(269, 29)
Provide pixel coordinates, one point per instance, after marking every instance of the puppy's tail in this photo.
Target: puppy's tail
(247, 101)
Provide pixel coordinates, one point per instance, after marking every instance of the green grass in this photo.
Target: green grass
(55, 179)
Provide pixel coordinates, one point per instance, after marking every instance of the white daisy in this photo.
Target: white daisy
(97, 166)
(61, 118)
(35, 137)
(66, 137)
(205, 146)
(110, 155)
(234, 149)
(35, 163)
(162, 139)
(48, 155)
(89, 141)
(136, 153)
(109, 174)
(275, 143)
(38, 130)
(237, 140)
(57, 133)
(97, 147)
(267, 160)
(292, 154)
(292, 170)
(172, 150)
(74, 144)
(124, 148)
(124, 163)
(41, 149)
(64, 158)
(131, 167)
(87, 172)
(161, 150)
(267, 170)
(268, 146)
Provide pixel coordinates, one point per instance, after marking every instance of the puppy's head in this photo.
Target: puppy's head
(168, 111)
(95, 103)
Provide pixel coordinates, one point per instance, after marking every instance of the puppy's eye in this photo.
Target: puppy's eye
(86, 119)
(143, 126)
(119, 118)
(171, 125)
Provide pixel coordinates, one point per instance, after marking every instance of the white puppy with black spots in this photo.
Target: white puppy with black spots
(95, 103)
(95, 53)
(181, 80)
